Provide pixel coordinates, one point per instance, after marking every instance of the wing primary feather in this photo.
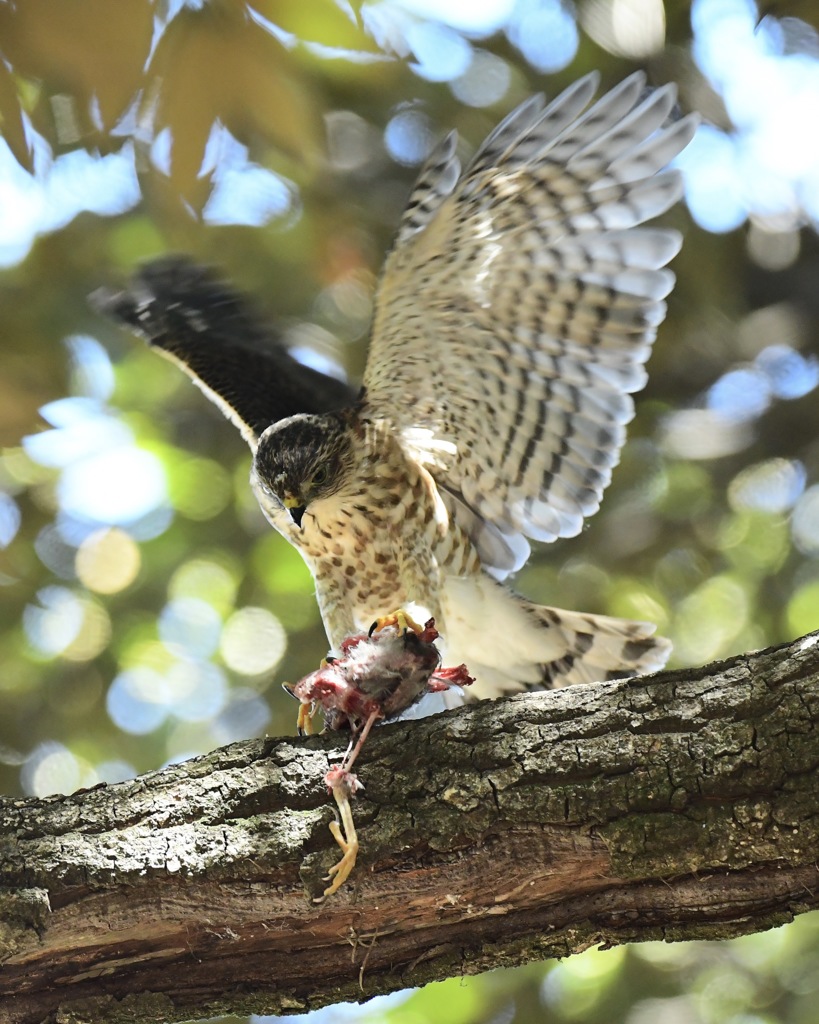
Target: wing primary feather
(190, 316)
(512, 328)
(528, 130)
(437, 179)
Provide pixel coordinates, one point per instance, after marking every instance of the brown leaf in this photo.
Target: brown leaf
(332, 23)
(12, 121)
(282, 109)
(84, 47)
(214, 66)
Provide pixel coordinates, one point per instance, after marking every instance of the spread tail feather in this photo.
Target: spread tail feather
(599, 647)
(510, 644)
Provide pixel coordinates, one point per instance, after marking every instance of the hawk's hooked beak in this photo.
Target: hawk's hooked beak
(295, 508)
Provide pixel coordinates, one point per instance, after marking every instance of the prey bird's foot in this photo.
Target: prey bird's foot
(400, 618)
(342, 869)
(307, 709)
(304, 719)
(343, 784)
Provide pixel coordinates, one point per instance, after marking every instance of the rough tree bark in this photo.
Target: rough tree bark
(676, 806)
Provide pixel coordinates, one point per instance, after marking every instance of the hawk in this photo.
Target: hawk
(512, 323)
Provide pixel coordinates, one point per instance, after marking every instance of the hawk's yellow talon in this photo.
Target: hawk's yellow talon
(400, 618)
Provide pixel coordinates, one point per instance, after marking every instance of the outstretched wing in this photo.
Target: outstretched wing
(193, 318)
(517, 310)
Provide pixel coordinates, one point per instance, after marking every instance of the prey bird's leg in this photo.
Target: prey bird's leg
(343, 785)
(347, 763)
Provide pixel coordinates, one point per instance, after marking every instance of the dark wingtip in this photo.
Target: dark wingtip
(120, 305)
(156, 290)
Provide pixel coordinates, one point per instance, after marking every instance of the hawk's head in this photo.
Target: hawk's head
(299, 460)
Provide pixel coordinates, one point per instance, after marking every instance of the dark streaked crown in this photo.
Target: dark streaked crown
(295, 452)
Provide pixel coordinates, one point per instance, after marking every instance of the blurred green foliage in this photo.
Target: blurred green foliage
(125, 648)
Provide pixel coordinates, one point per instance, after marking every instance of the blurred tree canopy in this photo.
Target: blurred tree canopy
(148, 612)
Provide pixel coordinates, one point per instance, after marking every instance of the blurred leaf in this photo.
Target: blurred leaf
(805, 11)
(216, 67)
(78, 47)
(335, 25)
(183, 74)
(273, 98)
(803, 609)
(12, 120)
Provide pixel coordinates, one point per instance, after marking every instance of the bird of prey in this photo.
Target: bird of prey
(513, 319)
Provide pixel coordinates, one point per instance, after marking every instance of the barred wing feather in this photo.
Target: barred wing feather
(518, 308)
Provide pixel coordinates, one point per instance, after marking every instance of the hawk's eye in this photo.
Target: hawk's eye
(320, 476)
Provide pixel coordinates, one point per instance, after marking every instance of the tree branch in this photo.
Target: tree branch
(678, 806)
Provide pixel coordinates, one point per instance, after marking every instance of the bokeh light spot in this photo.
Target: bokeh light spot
(91, 371)
(115, 487)
(9, 519)
(803, 610)
(245, 715)
(703, 434)
(754, 541)
(771, 486)
(92, 636)
(53, 624)
(805, 522)
(478, 17)
(741, 394)
(771, 249)
(197, 690)
(249, 194)
(83, 429)
(34, 204)
(108, 561)
(199, 489)
(50, 768)
(440, 52)
(626, 28)
(55, 551)
(484, 82)
(189, 626)
(213, 581)
(709, 619)
(253, 641)
(408, 137)
(545, 32)
(713, 180)
(790, 374)
(137, 701)
(115, 771)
